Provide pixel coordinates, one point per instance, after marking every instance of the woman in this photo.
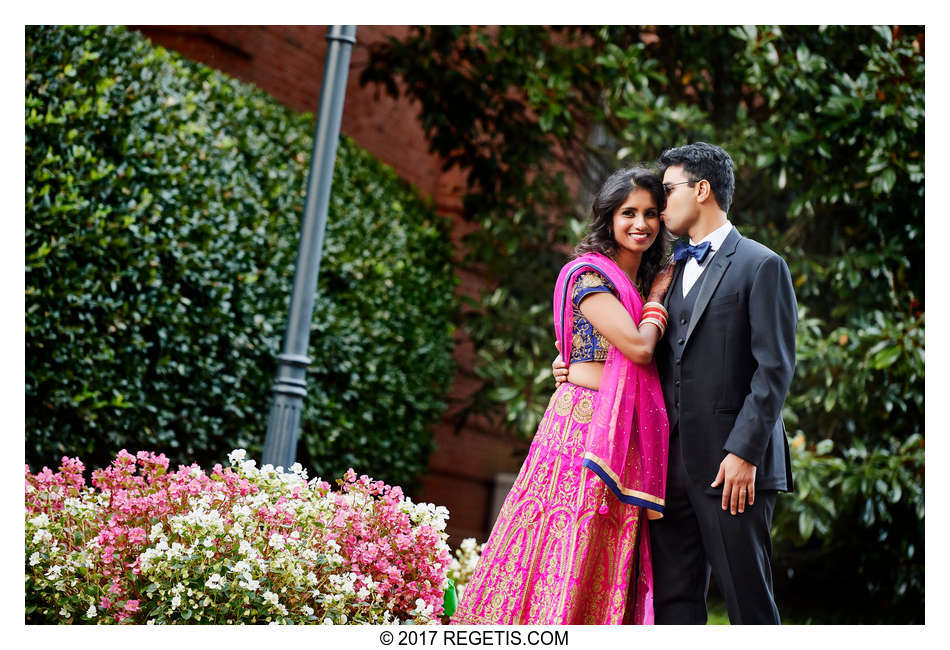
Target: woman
(570, 545)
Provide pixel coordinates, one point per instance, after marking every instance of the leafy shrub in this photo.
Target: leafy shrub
(162, 218)
(238, 545)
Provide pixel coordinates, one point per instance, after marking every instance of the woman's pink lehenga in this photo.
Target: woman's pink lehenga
(552, 558)
(571, 543)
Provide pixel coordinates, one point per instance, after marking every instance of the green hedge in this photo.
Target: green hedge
(163, 202)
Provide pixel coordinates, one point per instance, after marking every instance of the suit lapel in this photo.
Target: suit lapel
(717, 267)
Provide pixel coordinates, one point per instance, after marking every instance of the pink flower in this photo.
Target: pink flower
(380, 545)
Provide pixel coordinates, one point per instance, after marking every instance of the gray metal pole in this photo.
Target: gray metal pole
(290, 388)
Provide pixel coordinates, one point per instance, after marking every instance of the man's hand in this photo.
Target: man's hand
(661, 283)
(739, 477)
(558, 367)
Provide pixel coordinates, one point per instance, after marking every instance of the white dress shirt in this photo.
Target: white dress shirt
(694, 269)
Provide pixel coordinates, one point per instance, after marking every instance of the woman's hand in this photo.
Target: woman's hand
(559, 368)
(661, 283)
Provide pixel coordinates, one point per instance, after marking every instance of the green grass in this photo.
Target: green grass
(717, 613)
(719, 616)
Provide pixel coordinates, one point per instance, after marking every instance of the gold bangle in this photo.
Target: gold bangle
(656, 322)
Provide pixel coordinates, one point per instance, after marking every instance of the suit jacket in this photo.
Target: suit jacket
(737, 364)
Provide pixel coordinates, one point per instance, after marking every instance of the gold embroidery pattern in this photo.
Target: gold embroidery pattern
(564, 403)
(584, 411)
(577, 341)
(589, 279)
(600, 352)
(551, 558)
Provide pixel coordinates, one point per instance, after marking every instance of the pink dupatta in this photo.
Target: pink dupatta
(629, 433)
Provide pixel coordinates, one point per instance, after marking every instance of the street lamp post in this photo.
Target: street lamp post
(290, 387)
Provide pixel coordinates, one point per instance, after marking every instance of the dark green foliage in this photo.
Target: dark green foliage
(826, 128)
(163, 203)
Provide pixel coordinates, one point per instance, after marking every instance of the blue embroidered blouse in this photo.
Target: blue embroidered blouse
(588, 344)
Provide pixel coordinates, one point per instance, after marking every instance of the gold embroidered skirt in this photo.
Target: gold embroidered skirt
(552, 557)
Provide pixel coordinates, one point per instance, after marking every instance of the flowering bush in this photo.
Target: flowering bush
(238, 545)
(463, 565)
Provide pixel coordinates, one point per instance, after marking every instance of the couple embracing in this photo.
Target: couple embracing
(662, 450)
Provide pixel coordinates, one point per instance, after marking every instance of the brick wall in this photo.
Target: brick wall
(287, 63)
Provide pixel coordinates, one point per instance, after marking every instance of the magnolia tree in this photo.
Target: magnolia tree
(239, 545)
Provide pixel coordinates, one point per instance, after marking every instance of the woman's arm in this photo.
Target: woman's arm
(611, 319)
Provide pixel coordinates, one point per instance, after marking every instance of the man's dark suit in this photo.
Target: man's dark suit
(725, 364)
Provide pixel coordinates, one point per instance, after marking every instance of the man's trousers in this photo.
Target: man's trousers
(695, 536)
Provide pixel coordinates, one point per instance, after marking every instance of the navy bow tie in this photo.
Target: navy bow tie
(682, 250)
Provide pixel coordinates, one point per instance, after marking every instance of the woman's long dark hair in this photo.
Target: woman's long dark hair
(611, 196)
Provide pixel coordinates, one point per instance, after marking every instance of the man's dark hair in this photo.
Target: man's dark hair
(704, 161)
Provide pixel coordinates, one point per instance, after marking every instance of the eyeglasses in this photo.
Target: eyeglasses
(669, 186)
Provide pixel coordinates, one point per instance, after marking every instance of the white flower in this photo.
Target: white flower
(270, 597)
(209, 554)
(421, 609)
(91, 612)
(328, 621)
(63, 612)
(237, 456)
(250, 585)
(40, 521)
(54, 571)
(34, 559)
(176, 602)
(42, 535)
(307, 611)
(214, 582)
(155, 532)
(241, 567)
(363, 593)
(276, 541)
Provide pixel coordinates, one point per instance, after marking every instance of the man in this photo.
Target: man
(725, 363)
